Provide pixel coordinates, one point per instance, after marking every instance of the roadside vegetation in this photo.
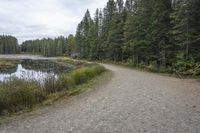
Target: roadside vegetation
(77, 63)
(179, 70)
(18, 94)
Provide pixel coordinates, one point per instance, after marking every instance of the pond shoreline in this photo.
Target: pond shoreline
(28, 69)
(18, 95)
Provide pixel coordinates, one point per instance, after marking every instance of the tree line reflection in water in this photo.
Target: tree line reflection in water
(37, 70)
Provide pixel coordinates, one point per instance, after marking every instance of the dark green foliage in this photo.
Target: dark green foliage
(46, 47)
(9, 45)
(186, 34)
(148, 33)
(50, 47)
(70, 47)
(186, 20)
(84, 36)
(160, 29)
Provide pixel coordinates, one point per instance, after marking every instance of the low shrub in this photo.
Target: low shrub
(51, 85)
(82, 75)
(65, 81)
(79, 76)
(18, 94)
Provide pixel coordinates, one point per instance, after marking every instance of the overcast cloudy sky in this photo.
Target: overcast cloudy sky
(31, 19)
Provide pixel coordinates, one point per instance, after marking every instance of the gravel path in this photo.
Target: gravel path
(131, 102)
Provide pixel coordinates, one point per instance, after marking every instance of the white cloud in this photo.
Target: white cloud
(31, 19)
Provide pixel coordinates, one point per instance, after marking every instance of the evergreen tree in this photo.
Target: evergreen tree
(70, 45)
(9, 45)
(94, 36)
(160, 32)
(186, 20)
(115, 36)
(108, 14)
(128, 46)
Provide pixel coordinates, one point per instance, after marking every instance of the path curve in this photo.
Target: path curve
(131, 102)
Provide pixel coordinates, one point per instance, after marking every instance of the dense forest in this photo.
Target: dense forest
(8, 45)
(159, 34)
(50, 47)
(162, 35)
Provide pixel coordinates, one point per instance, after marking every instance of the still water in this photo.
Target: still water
(37, 70)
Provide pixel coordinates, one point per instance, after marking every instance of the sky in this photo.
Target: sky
(36, 19)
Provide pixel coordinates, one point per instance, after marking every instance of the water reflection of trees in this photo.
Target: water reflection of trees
(9, 70)
(39, 65)
(45, 66)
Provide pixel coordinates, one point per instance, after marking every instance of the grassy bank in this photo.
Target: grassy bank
(8, 63)
(66, 60)
(17, 94)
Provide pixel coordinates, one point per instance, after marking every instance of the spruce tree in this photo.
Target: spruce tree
(160, 32)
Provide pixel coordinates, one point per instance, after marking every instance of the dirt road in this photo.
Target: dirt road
(131, 102)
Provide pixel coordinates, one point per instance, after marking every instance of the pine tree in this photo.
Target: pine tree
(146, 32)
(94, 37)
(140, 36)
(108, 14)
(128, 46)
(70, 48)
(187, 27)
(8, 45)
(160, 32)
(79, 40)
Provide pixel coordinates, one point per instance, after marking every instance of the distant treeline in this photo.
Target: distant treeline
(50, 47)
(8, 45)
(46, 47)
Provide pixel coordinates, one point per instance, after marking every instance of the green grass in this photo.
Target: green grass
(18, 94)
(55, 98)
(82, 75)
(8, 63)
(66, 60)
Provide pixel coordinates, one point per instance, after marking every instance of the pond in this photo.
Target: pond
(33, 69)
